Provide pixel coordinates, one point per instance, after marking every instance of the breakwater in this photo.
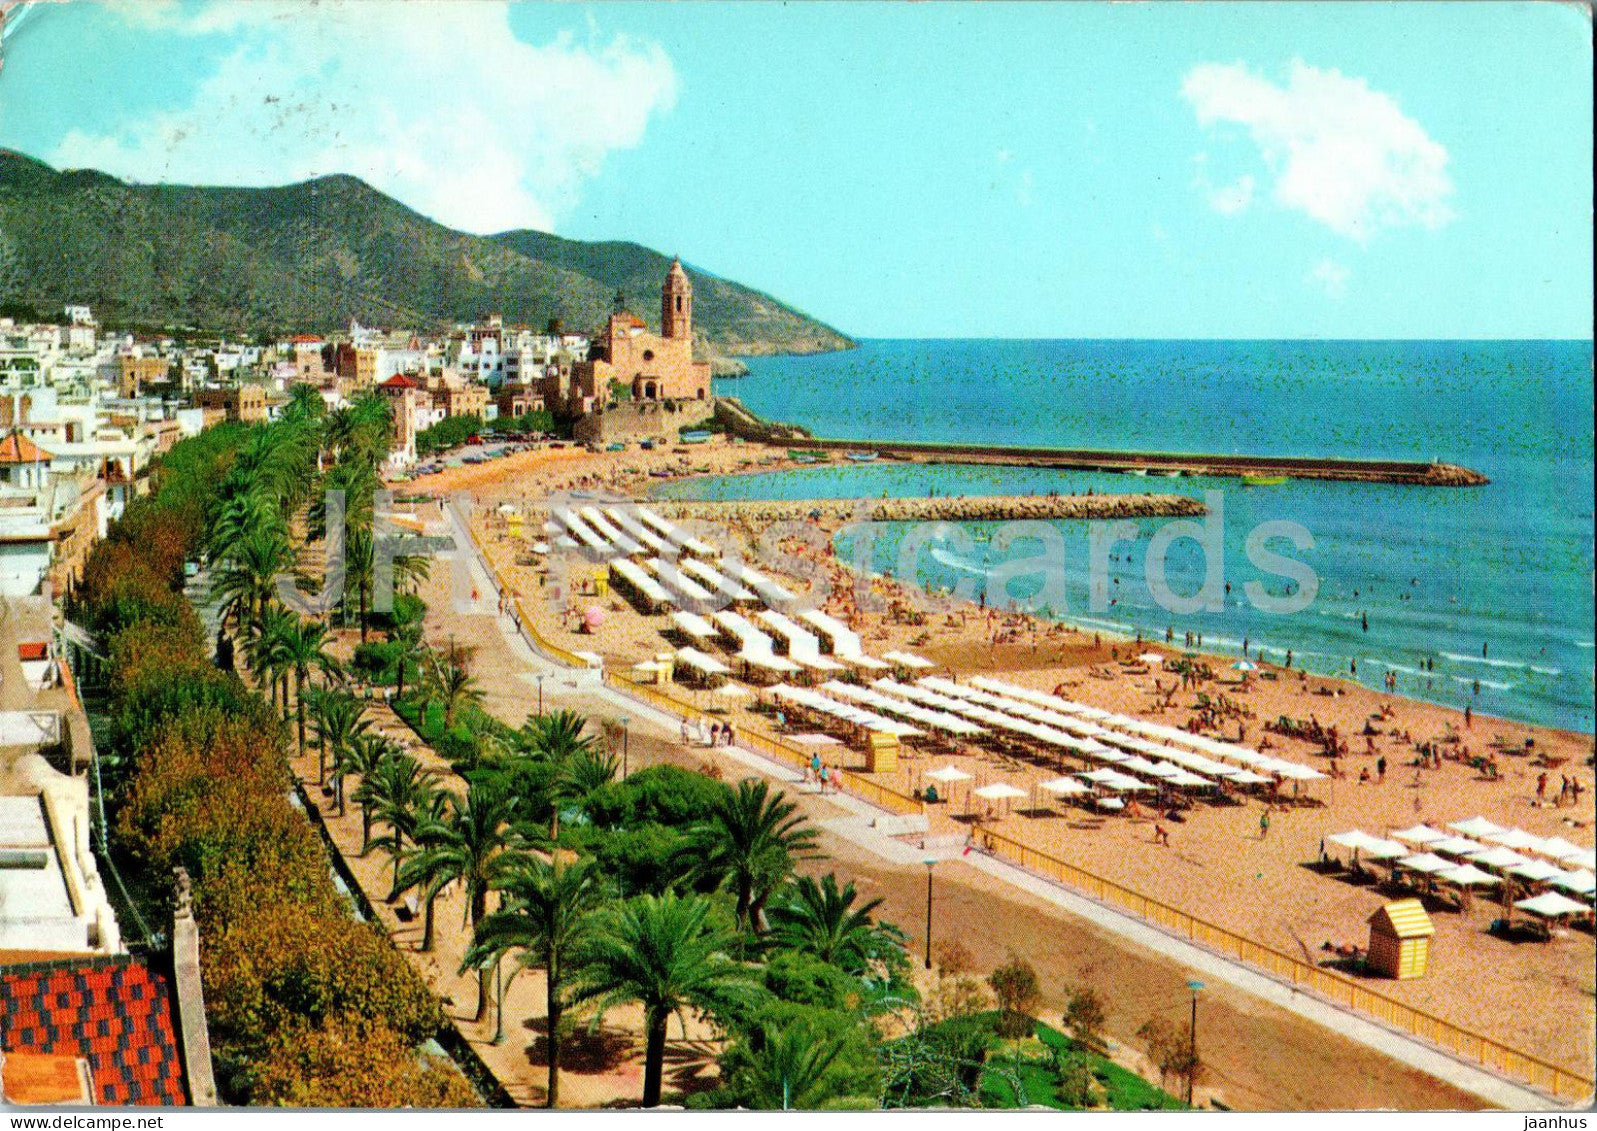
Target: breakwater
(740, 421)
(951, 508)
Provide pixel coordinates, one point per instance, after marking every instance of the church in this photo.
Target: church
(653, 367)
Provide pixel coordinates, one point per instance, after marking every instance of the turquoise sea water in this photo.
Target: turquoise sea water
(1436, 573)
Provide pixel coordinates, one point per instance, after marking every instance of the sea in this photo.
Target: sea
(1480, 595)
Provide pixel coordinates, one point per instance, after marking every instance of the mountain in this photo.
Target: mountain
(312, 256)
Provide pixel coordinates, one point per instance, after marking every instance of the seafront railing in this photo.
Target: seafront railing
(1464, 1043)
(1337, 988)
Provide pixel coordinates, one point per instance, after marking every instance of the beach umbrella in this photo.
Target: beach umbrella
(1427, 862)
(949, 774)
(1467, 875)
(732, 690)
(1245, 666)
(1476, 827)
(1353, 838)
(1579, 882)
(1063, 786)
(1151, 658)
(1551, 905)
(999, 791)
(593, 618)
(1498, 858)
(1516, 839)
(1536, 870)
(1457, 846)
(1385, 849)
(1558, 848)
(1419, 834)
(1586, 858)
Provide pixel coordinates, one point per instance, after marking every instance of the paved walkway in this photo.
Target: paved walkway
(562, 683)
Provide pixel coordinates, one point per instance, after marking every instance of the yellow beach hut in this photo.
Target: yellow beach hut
(1400, 940)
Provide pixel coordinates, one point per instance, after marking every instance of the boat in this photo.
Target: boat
(696, 437)
(1263, 480)
(1138, 471)
(861, 457)
(1177, 473)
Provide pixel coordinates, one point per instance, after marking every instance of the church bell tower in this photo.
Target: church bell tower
(676, 304)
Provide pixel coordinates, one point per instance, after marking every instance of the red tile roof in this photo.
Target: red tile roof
(17, 448)
(115, 1012)
(399, 381)
(34, 650)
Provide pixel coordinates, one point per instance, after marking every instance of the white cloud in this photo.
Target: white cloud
(1330, 276)
(438, 104)
(1342, 153)
(1232, 198)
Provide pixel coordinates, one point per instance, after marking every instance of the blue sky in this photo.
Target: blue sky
(1035, 170)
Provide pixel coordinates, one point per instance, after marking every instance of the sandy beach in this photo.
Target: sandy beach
(1535, 996)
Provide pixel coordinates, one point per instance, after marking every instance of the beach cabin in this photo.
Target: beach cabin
(1400, 940)
(881, 757)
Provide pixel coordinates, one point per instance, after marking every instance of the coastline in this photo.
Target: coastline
(1219, 868)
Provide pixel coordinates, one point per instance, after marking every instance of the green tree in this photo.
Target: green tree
(548, 913)
(469, 843)
(303, 649)
(401, 794)
(750, 841)
(668, 955)
(820, 919)
(339, 719)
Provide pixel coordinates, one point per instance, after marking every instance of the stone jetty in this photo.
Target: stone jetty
(951, 508)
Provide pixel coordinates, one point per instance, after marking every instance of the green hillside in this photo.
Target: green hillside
(312, 256)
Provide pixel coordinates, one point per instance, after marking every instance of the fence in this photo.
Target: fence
(1329, 984)
(1464, 1043)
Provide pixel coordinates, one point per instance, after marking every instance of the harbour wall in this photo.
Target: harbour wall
(944, 508)
(740, 421)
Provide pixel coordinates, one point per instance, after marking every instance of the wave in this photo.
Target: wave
(1455, 657)
(1466, 681)
(954, 561)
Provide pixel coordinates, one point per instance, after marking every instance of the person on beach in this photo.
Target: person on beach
(1264, 823)
(1380, 770)
(1469, 718)
(1541, 786)
(1161, 835)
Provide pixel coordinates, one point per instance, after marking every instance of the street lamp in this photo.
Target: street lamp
(540, 677)
(624, 736)
(929, 862)
(1192, 1047)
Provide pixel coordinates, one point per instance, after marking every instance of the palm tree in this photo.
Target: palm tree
(821, 919)
(548, 913)
(339, 722)
(667, 954)
(468, 844)
(751, 841)
(787, 1068)
(559, 740)
(406, 636)
(400, 793)
(247, 578)
(302, 650)
(360, 756)
(452, 685)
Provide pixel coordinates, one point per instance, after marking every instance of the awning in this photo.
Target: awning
(1551, 905)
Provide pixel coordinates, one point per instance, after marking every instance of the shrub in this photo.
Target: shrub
(1016, 987)
(275, 965)
(345, 1064)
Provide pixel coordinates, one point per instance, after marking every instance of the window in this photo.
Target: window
(679, 304)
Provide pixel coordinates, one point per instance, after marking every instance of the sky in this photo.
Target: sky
(906, 170)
